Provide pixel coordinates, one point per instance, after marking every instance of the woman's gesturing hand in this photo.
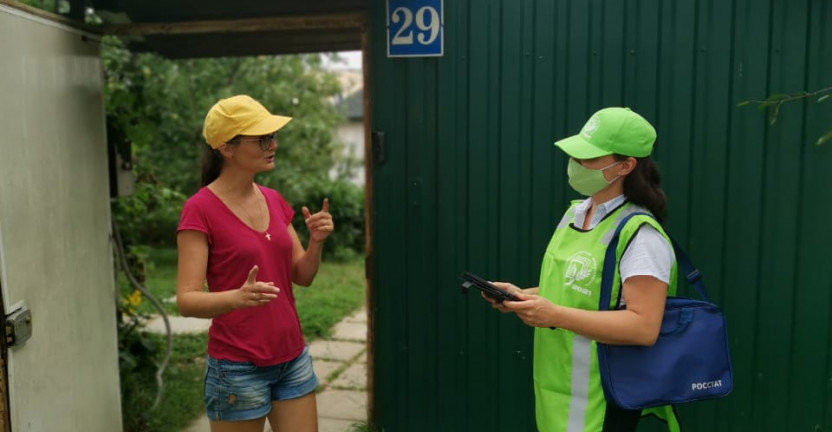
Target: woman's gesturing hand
(533, 310)
(320, 224)
(254, 293)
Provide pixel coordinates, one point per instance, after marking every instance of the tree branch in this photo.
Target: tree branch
(783, 98)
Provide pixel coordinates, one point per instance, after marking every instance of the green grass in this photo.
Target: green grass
(362, 427)
(161, 280)
(182, 388)
(338, 290)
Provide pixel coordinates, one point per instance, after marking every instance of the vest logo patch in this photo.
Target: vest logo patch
(580, 272)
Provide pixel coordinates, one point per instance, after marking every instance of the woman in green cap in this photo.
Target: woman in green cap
(610, 164)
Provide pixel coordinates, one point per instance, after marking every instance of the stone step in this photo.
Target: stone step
(335, 350)
(178, 325)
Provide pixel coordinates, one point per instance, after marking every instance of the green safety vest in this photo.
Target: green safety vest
(567, 381)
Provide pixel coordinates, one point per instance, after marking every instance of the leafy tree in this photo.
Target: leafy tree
(161, 104)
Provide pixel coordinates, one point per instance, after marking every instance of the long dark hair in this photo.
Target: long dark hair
(212, 162)
(643, 186)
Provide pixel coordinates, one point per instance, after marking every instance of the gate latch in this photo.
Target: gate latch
(18, 327)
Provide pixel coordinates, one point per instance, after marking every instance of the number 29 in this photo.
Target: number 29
(427, 20)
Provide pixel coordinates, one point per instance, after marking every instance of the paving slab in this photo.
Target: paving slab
(354, 377)
(335, 350)
(342, 405)
(353, 331)
(323, 368)
(359, 316)
(324, 425)
(201, 424)
(178, 325)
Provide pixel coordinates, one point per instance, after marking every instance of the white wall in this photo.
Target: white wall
(352, 135)
(54, 228)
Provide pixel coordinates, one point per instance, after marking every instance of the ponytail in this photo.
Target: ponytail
(211, 165)
(212, 162)
(643, 187)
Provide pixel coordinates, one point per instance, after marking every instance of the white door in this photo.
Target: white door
(55, 254)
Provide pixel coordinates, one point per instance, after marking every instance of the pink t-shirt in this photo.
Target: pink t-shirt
(264, 335)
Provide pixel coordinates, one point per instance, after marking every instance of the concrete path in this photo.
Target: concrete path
(340, 364)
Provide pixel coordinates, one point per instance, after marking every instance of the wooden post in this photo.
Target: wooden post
(369, 260)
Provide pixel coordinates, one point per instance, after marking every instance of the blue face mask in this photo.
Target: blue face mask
(587, 181)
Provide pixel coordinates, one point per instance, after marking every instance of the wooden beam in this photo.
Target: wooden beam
(249, 44)
(320, 22)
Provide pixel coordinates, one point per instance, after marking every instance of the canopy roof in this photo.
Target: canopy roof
(217, 28)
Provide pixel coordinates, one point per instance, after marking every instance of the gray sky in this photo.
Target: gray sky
(349, 60)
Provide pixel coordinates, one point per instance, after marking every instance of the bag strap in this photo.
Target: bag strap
(692, 274)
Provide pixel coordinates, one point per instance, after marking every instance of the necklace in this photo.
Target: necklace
(263, 212)
(260, 214)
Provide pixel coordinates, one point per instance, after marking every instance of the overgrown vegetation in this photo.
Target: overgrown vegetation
(157, 106)
(182, 391)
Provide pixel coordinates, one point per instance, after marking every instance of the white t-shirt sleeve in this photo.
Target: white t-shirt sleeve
(649, 254)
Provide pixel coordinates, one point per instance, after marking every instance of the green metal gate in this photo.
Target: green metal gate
(470, 180)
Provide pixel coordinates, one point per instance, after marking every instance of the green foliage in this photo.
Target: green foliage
(346, 204)
(160, 105)
(773, 103)
(136, 352)
(363, 427)
(137, 360)
(47, 5)
(826, 137)
(182, 396)
(149, 216)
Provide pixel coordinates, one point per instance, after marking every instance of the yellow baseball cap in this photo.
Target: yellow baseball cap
(239, 115)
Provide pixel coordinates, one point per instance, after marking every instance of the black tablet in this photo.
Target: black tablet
(498, 295)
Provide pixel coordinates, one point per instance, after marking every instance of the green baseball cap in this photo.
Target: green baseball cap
(611, 131)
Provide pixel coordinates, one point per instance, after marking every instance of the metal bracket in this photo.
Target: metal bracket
(379, 152)
(18, 327)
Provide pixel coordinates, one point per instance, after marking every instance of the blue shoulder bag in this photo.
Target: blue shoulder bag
(690, 360)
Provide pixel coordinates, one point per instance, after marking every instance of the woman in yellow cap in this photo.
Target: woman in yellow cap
(238, 236)
(610, 164)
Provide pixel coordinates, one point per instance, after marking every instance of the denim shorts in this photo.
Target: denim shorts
(243, 391)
